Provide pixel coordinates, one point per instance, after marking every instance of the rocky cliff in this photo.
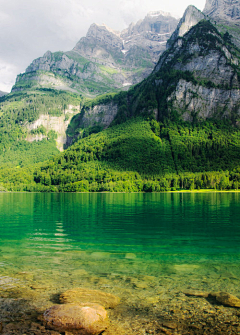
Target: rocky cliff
(198, 76)
(190, 18)
(58, 124)
(104, 60)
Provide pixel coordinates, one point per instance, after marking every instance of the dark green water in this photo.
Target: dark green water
(64, 240)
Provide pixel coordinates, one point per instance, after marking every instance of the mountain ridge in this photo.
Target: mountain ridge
(104, 60)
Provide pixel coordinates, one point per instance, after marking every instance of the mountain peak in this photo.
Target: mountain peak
(190, 18)
(223, 9)
(100, 29)
(103, 26)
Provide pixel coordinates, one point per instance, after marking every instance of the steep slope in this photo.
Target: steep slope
(196, 78)
(104, 60)
(207, 75)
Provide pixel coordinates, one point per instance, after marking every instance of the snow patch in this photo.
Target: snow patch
(158, 13)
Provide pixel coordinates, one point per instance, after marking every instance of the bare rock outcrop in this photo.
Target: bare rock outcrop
(190, 18)
(100, 115)
(191, 100)
(206, 81)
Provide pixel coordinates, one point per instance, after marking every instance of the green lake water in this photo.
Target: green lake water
(132, 245)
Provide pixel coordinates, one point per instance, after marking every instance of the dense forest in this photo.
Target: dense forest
(139, 155)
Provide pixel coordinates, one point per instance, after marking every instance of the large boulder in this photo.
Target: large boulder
(81, 295)
(226, 299)
(84, 319)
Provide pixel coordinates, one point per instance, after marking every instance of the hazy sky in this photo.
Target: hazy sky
(28, 28)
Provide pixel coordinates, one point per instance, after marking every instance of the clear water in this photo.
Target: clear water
(123, 243)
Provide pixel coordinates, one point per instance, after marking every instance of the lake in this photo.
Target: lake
(146, 248)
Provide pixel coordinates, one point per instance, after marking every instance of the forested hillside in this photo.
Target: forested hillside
(17, 112)
(140, 155)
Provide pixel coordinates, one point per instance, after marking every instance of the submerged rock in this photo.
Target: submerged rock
(195, 293)
(223, 298)
(84, 319)
(81, 295)
(226, 299)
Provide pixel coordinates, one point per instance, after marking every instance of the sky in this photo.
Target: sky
(29, 28)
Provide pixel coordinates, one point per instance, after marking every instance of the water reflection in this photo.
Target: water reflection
(179, 223)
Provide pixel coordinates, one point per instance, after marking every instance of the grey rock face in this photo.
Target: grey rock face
(216, 89)
(190, 18)
(225, 14)
(101, 115)
(190, 99)
(57, 123)
(212, 66)
(223, 9)
(151, 34)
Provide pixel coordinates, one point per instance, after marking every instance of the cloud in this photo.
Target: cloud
(7, 73)
(29, 28)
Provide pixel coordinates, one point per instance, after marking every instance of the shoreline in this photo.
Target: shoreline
(109, 192)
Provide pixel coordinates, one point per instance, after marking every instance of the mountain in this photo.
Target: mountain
(206, 71)
(104, 60)
(196, 78)
(174, 130)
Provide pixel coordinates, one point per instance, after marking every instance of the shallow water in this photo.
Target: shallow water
(142, 247)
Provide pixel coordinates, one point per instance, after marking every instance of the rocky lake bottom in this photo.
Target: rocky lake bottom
(154, 298)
